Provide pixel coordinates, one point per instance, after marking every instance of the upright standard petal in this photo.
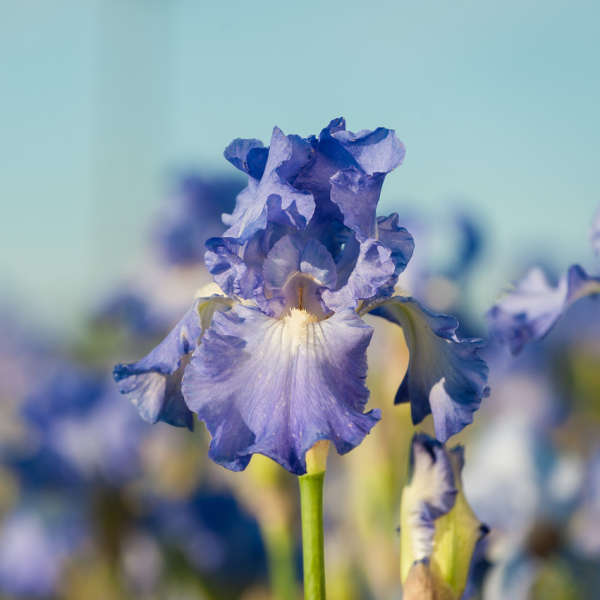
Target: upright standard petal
(272, 198)
(445, 376)
(530, 311)
(374, 269)
(356, 195)
(378, 151)
(346, 172)
(153, 382)
(248, 155)
(370, 269)
(277, 386)
(397, 239)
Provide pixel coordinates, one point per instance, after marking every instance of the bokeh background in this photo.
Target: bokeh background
(104, 104)
(496, 103)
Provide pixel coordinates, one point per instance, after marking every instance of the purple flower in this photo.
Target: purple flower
(154, 383)
(79, 431)
(129, 311)
(277, 386)
(276, 359)
(539, 501)
(194, 215)
(219, 540)
(530, 311)
(36, 541)
(438, 530)
(430, 493)
(445, 376)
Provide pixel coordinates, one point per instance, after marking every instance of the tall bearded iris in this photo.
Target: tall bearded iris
(275, 361)
(532, 308)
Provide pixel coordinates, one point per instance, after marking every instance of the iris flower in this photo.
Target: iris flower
(275, 360)
(193, 215)
(438, 530)
(531, 310)
(37, 540)
(82, 432)
(217, 539)
(543, 506)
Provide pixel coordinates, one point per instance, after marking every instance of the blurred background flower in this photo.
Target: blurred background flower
(114, 119)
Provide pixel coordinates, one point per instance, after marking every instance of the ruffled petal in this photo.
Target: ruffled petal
(373, 272)
(356, 195)
(445, 376)
(291, 255)
(277, 386)
(153, 382)
(248, 155)
(438, 527)
(234, 268)
(273, 198)
(356, 162)
(397, 239)
(530, 311)
(430, 493)
(377, 151)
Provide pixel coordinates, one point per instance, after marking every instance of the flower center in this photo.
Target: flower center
(296, 326)
(302, 293)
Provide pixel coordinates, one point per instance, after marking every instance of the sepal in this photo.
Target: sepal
(446, 376)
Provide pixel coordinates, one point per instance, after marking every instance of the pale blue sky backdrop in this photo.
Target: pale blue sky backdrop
(497, 103)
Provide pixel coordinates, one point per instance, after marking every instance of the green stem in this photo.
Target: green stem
(311, 505)
(280, 555)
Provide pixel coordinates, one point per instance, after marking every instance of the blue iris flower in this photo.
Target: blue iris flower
(37, 540)
(130, 311)
(439, 533)
(282, 359)
(214, 535)
(193, 215)
(543, 506)
(78, 431)
(531, 310)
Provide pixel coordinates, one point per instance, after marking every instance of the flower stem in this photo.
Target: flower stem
(311, 506)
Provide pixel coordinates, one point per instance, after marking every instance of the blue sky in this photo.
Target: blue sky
(497, 104)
